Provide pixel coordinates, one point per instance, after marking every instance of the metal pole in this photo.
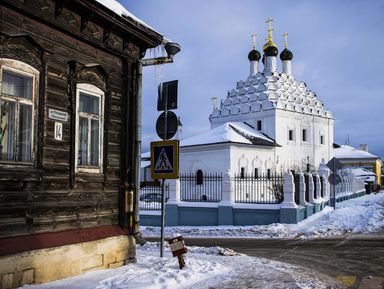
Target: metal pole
(162, 219)
(334, 184)
(163, 180)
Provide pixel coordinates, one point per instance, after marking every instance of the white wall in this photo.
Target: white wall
(208, 158)
(294, 153)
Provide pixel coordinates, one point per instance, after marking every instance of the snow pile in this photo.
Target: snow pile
(361, 215)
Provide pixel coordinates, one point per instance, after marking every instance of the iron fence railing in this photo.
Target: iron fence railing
(201, 187)
(150, 197)
(259, 188)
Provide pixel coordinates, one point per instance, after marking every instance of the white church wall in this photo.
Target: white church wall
(251, 157)
(208, 158)
(294, 153)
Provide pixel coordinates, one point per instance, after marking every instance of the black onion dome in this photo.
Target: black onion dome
(254, 55)
(271, 50)
(286, 54)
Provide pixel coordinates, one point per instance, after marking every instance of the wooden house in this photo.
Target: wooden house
(70, 83)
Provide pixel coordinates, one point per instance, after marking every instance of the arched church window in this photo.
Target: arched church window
(242, 172)
(268, 174)
(199, 177)
(256, 173)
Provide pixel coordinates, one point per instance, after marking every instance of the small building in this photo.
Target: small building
(70, 76)
(350, 157)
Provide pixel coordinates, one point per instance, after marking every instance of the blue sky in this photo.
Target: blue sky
(337, 48)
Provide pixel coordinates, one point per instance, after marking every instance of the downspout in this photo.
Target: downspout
(137, 157)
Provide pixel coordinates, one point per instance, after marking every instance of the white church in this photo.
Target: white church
(269, 123)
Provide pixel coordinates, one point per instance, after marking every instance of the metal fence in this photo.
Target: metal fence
(259, 189)
(201, 187)
(150, 197)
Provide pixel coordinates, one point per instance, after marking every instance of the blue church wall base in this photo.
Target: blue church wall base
(289, 215)
(150, 220)
(310, 210)
(198, 216)
(171, 215)
(244, 217)
(225, 215)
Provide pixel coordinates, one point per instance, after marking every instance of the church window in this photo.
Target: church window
(16, 114)
(305, 136)
(268, 174)
(256, 173)
(290, 134)
(89, 128)
(242, 172)
(322, 139)
(259, 125)
(199, 177)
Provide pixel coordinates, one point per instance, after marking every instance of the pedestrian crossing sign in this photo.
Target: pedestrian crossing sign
(165, 159)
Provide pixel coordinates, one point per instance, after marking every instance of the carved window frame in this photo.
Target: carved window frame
(92, 90)
(21, 68)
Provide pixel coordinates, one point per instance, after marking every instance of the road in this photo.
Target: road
(356, 260)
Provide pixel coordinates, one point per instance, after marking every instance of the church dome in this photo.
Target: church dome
(270, 48)
(254, 55)
(286, 54)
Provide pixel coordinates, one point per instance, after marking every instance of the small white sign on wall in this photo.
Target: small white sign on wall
(58, 131)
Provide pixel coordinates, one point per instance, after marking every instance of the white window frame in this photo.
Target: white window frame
(21, 68)
(93, 91)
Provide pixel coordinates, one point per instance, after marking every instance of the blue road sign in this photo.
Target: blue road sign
(165, 159)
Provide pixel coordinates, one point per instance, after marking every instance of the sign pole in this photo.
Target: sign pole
(163, 180)
(334, 184)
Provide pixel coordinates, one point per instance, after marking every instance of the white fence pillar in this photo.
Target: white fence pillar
(174, 191)
(289, 191)
(325, 184)
(311, 197)
(316, 178)
(228, 191)
(301, 187)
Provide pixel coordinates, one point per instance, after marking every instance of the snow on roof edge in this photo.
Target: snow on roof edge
(119, 9)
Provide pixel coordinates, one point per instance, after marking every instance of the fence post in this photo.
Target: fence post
(325, 184)
(225, 209)
(174, 191)
(311, 188)
(302, 188)
(289, 211)
(317, 194)
(172, 206)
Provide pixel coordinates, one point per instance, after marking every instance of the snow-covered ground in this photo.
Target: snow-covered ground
(360, 215)
(205, 268)
(217, 267)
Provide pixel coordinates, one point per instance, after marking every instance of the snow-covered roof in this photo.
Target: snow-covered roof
(360, 171)
(119, 9)
(235, 132)
(264, 91)
(348, 152)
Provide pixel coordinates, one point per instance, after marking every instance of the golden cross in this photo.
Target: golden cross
(270, 29)
(285, 35)
(254, 40)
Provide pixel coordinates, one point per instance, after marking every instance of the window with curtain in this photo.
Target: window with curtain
(89, 129)
(16, 116)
